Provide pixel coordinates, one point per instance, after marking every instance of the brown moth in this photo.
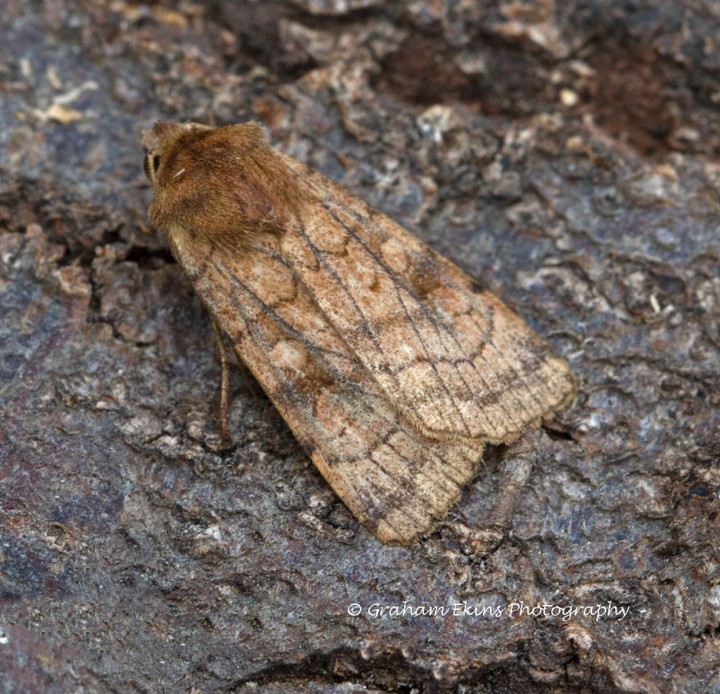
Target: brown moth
(388, 363)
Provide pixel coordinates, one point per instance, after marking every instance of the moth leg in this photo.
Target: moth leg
(224, 384)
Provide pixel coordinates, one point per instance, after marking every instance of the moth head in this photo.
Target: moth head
(223, 183)
(161, 140)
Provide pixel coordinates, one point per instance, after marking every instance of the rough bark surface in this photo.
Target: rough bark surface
(563, 153)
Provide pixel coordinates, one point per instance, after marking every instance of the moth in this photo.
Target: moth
(390, 365)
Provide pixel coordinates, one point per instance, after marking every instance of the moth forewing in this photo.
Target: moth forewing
(388, 366)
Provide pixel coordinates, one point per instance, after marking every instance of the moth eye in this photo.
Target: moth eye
(152, 164)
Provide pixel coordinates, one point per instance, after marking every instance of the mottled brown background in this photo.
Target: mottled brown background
(564, 153)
